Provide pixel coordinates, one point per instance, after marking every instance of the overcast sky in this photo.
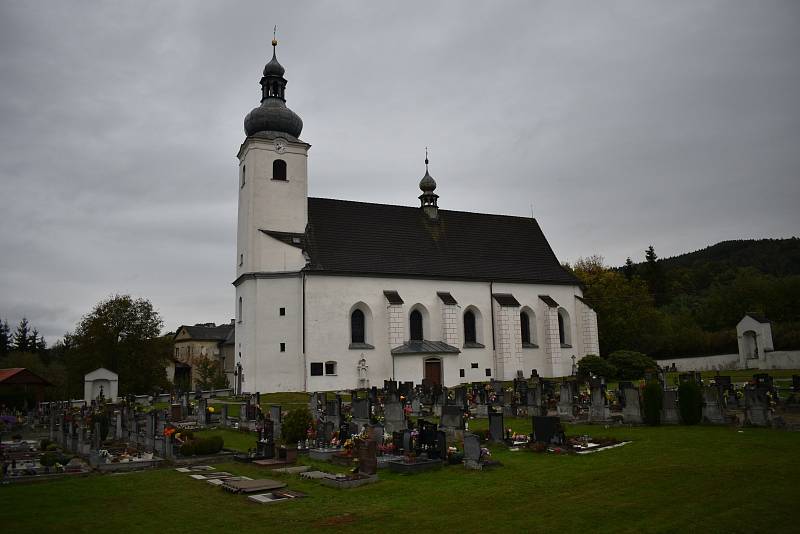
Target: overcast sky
(624, 124)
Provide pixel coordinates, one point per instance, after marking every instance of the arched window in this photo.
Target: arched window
(415, 323)
(279, 170)
(357, 327)
(564, 328)
(469, 327)
(525, 327)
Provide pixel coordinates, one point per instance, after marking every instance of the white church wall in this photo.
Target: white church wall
(328, 303)
(263, 329)
(557, 361)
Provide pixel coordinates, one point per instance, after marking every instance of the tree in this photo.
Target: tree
(210, 375)
(5, 338)
(22, 336)
(591, 365)
(121, 334)
(629, 269)
(630, 365)
(654, 275)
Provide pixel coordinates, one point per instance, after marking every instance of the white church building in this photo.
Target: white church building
(334, 294)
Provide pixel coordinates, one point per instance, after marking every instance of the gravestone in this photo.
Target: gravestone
(496, 428)
(565, 401)
(275, 417)
(416, 407)
(397, 442)
(202, 408)
(223, 416)
(360, 409)
(375, 433)
(632, 411)
(394, 416)
(406, 440)
(265, 446)
(756, 406)
(333, 410)
(367, 457)
(472, 448)
(118, 425)
(599, 411)
(712, 406)
(452, 417)
(796, 383)
(176, 412)
(669, 408)
(545, 428)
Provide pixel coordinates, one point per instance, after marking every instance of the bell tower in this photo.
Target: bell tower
(273, 213)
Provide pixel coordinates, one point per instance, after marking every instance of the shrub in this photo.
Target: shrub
(690, 403)
(630, 365)
(202, 446)
(653, 397)
(295, 426)
(595, 365)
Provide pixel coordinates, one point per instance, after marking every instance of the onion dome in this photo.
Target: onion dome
(428, 199)
(273, 115)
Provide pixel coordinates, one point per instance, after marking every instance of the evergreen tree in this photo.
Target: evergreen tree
(654, 275)
(5, 338)
(37, 342)
(22, 336)
(629, 268)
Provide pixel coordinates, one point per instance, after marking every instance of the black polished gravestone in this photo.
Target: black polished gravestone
(545, 428)
(796, 383)
(722, 381)
(763, 380)
(397, 442)
(426, 438)
(496, 428)
(265, 446)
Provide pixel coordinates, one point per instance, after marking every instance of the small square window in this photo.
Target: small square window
(283, 349)
(282, 312)
(461, 373)
(316, 369)
(488, 372)
(474, 365)
(330, 368)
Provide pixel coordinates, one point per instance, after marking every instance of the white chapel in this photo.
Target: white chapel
(334, 294)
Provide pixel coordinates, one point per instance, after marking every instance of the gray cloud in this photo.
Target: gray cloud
(623, 123)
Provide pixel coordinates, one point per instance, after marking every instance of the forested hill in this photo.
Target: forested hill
(778, 257)
(690, 304)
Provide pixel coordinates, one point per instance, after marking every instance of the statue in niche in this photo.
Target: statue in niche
(363, 373)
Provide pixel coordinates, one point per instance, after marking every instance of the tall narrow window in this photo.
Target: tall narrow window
(561, 338)
(279, 170)
(357, 327)
(469, 327)
(525, 327)
(415, 321)
(241, 179)
(240, 309)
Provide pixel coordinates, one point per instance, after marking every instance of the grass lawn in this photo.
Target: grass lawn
(669, 479)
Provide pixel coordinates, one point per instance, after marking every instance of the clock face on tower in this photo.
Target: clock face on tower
(280, 146)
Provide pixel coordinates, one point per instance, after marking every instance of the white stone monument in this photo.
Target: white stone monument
(100, 381)
(754, 334)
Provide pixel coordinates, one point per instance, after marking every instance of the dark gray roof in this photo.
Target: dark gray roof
(506, 299)
(759, 318)
(393, 297)
(447, 298)
(547, 299)
(353, 238)
(230, 339)
(290, 238)
(425, 347)
(201, 332)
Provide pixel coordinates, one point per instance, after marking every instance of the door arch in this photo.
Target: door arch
(433, 371)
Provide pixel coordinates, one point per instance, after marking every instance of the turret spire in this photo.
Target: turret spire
(428, 198)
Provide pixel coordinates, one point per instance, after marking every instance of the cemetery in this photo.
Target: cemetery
(421, 437)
